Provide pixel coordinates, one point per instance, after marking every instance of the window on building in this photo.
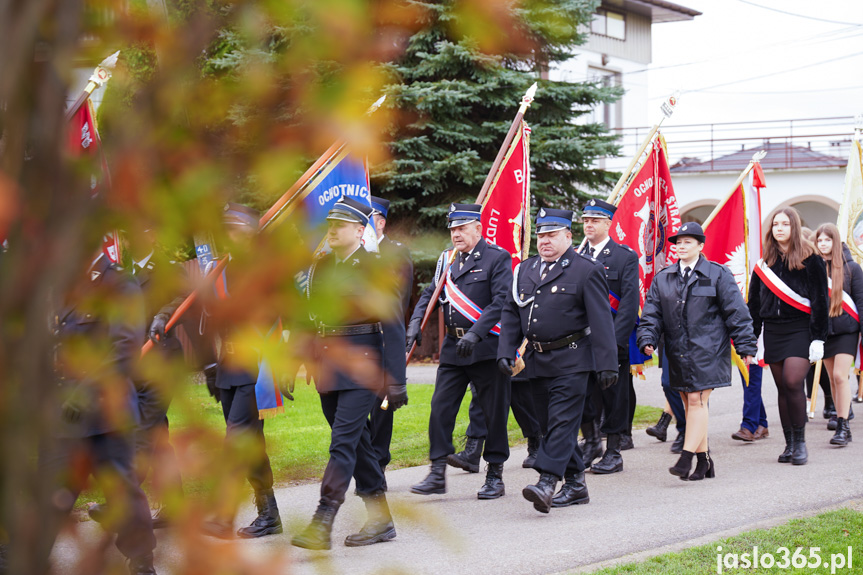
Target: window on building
(608, 114)
(607, 23)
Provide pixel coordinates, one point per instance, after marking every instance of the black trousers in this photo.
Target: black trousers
(240, 408)
(614, 401)
(351, 453)
(493, 396)
(381, 429)
(68, 462)
(559, 453)
(523, 409)
(153, 450)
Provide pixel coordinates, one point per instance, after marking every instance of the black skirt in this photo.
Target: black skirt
(841, 343)
(784, 340)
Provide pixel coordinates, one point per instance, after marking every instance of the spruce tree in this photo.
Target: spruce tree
(462, 102)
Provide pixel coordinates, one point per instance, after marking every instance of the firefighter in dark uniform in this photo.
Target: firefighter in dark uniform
(559, 302)
(97, 411)
(477, 286)
(234, 388)
(349, 375)
(621, 273)
(401, 267)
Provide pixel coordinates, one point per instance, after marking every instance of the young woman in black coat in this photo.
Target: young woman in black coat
(843, 335)
(792, 338)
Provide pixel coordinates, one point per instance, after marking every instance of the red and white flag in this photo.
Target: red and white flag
(647, 214)
(506, 208)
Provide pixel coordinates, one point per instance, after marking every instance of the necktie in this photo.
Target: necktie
(461, 259)
(546, 266)
(591, 251)
(686, 273)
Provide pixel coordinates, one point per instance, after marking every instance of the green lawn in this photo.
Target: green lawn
(832, 532)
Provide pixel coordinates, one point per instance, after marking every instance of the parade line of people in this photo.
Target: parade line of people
(566, 317)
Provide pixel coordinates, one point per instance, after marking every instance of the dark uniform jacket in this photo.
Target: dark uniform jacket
(852, 284)
(698, 322)
(342, 295)
(397, 259)
(621, 273)
(572, 297)
(486, 279)
(96, 352)
(809, 282)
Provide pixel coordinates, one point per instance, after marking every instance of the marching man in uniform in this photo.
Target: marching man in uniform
(559, 302)
(475, 290)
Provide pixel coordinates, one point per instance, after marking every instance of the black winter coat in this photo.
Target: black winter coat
(698, 322)
(809, 282)
(853, 286)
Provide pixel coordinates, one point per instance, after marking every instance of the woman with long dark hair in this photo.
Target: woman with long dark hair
(788, 296)
(843, 334)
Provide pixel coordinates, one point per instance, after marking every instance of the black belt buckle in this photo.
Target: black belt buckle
(537, 346)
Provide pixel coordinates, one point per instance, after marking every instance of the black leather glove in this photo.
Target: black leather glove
(158, 333)
(465, 345)
(506, 366)
(414, 334)
(286, 384)
(397, 396)
(606, 378)
(210, 375)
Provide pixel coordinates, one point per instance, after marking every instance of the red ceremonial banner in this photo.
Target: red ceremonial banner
(506, 209)
(726, 238)
(647, 214)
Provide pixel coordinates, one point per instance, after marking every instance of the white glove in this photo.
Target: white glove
(816, 350)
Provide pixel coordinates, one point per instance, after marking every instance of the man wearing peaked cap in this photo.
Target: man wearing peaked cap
(621, 273)
(398, 261)
(476, 288)
(559, 303)
(346, 400)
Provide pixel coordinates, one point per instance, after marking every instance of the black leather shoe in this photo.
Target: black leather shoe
(268, 521)
(142, 565)
(469, 458)
(611, 461)
(831, 423)
(435, 481)
(379, 526)
(591, 447)
(221, 528)
(800, 455)
(842, 437)
(785, 456)
(626, 442)
(493, 487)
(683, 466)
(542, 493)
(317, 535)
(532, 450)
(660, 430)
(677, 444)
(829, 410)
(572, 492)
(703, 467)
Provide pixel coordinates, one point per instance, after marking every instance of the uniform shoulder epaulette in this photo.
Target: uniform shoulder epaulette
(586, 257)
(627, 247)
(495, 246)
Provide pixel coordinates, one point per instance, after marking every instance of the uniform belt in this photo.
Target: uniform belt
(542, 346)
(457, 332)
(342, 330)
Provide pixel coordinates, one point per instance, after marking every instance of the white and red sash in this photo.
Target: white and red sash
(780, 289)
(848, 305)
(463, 304)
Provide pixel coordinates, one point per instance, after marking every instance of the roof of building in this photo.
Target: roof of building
(780, 156)
(658, 11)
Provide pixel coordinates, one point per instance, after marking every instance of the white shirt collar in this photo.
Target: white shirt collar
(338, 261)
(598, 247)
(143, 263)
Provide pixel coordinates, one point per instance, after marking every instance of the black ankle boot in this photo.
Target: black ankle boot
(591, 447)
(703, 467)
(831, 423)
(379, 526)
(611, 461)
(268, 521)
(800, 455)
(493, 487)
(317, 535)
(683, 466)
(785, 456)
(572, 492)
(532, 450)
(677, 444)
(842, 437)
(469, 458)
(660, 430)
(435, 481)
(142, 565)
(542, 493)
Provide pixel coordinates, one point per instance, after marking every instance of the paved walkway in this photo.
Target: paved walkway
(642, 511)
